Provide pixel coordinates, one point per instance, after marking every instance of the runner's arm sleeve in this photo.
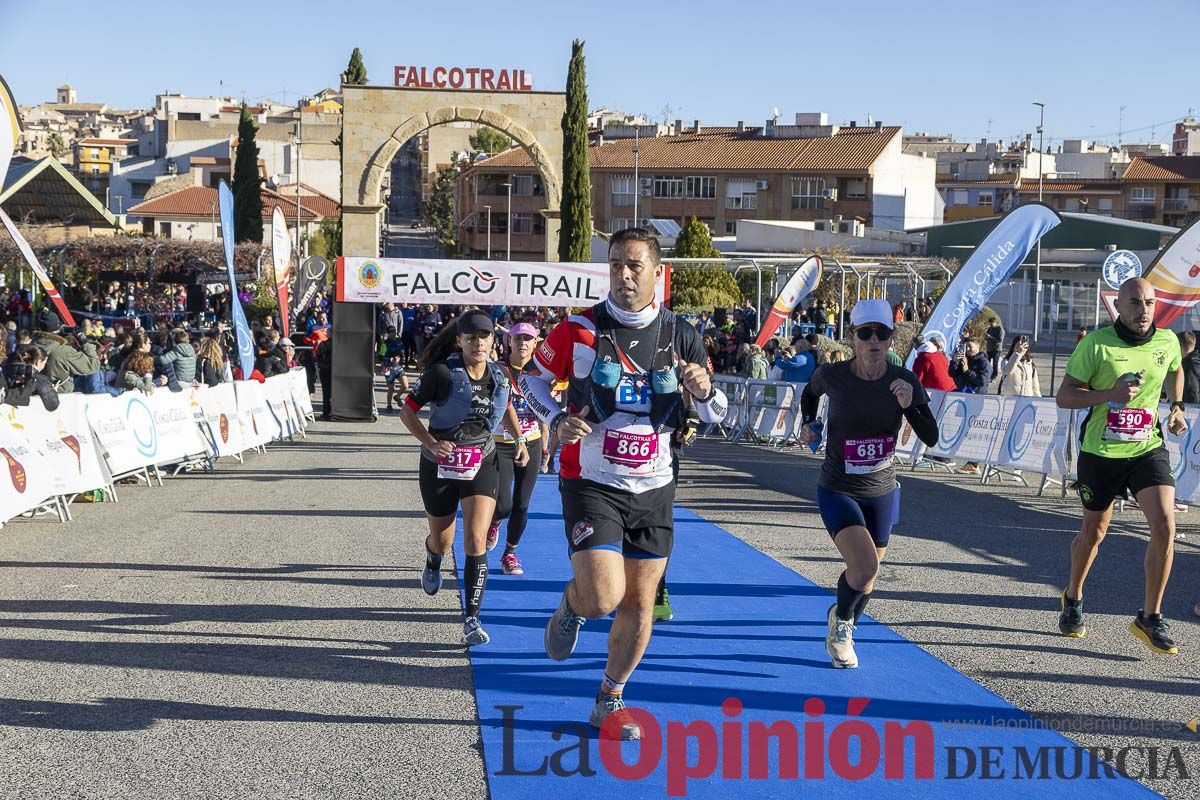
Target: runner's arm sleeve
(691, 347)
(551, 363)
(810, 399)
(924, 424)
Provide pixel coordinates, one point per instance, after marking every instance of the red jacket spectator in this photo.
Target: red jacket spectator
(932, 369)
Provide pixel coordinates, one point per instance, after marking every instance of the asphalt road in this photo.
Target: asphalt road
(261, 633)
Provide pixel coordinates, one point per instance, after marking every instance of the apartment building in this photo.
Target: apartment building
(1163, 190)
(1186, 139)
(807, 171)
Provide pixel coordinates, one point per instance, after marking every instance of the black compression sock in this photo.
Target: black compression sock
(475, 575)
(861, 606)
(847, 598)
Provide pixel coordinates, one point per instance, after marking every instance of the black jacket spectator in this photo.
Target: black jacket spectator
(975, 376)
(1191, 377)
(23, 380)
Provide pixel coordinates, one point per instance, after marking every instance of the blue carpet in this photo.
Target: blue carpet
(747, 628)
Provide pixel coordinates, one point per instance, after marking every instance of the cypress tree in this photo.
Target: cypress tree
(247, 184)
(575, 239)
(356, 70)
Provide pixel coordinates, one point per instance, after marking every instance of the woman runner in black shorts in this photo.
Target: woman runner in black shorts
(857, 492)
(517, 480)
(469, 399)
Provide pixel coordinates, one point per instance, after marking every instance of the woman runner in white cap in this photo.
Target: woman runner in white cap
(857, 493)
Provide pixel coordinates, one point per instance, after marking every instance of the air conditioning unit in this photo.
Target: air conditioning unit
(829, 194)
(644, 222)
(821, 225)
(845, 227)
(760, 185)
(646, 183)
(646, 191)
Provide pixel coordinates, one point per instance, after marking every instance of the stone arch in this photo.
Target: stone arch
(372, 177)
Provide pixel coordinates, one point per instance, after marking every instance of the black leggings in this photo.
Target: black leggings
(516, 487)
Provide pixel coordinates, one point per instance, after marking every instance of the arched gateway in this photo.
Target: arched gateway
(376, 122)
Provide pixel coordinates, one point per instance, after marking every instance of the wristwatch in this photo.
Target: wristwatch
(1178, 404)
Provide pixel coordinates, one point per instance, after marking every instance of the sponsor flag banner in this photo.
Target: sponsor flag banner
(484, 283)
(63, 312)
(245, 342)
(281, 255)
(311, 278)
(800, 285)
(25, 474)
(1175, 276)
(10, 128)
(989, 267)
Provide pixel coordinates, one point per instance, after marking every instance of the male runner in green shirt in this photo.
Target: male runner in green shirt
(1119, 373)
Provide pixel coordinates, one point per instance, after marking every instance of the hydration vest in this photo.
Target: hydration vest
(666, 409)
(454, 412)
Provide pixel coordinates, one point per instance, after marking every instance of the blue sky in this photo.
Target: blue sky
(936, 67)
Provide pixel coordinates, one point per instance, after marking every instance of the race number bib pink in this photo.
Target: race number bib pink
(869, 454)
(1129, 424)
(461, 465)
(628, 453)
(528, 422)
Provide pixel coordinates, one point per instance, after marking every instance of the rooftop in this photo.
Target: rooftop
(199, 201)
(726, 148)
(1164, 168)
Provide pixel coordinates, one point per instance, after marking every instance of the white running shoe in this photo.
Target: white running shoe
(562, 630)
(612, 705)
(839, 641)
(473, 632)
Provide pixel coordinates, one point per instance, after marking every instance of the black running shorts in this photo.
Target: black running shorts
(596, 516)
(441, 496)
(1103, 480)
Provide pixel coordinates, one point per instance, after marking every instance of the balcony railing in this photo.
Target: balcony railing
(1175, 204)
(1140, 211)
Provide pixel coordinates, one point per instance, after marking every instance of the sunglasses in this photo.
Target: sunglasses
(864, 333)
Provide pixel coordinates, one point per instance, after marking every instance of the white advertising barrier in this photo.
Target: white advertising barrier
(485, 283)
(29, 482)
(257, 428)
(175, 429)
(277, 394)
(1033, 436)
(969, 426)
(124, 429)
(770, 408)
(220, 409)
(1185, 454)
(299, 379)
(64, 438)
(908, 444)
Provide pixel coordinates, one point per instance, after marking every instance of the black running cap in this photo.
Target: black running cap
(474, 321)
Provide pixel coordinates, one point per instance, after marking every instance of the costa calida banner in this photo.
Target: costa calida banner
(1175, 275)
(484, 283)
(803, 282)
(245, 341)
(989, 267)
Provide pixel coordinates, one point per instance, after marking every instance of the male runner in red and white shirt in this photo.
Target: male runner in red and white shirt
(628, 362)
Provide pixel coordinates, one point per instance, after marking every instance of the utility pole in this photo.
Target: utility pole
(508, 227)
(299, 131)
(1037, 310)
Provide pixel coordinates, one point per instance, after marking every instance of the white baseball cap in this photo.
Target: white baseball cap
(866, 311)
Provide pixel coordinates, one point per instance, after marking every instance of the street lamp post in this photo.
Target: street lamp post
(489, 232)
(508, 227)
(636, 188)
(1037, 310)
